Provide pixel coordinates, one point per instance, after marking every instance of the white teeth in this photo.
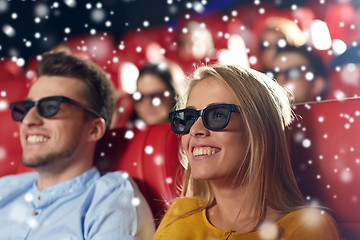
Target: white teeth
(203, 151)
(36, 139)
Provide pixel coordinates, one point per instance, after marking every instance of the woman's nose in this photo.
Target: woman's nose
(198, 128)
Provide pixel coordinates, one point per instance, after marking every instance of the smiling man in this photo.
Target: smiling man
(67, 111)
(302, 71)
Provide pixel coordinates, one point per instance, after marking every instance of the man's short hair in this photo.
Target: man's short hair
(100, 91)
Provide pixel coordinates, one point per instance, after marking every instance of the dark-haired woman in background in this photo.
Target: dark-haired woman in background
(157, 90)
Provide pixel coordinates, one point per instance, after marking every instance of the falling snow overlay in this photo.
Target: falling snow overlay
(123, 35)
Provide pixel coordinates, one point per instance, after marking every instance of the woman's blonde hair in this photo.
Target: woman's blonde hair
(266, 168)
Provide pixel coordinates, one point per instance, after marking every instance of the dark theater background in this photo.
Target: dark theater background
(32, 27)
(112, 32)
(124, 35)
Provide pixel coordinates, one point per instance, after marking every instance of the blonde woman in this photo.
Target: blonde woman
(239, 183)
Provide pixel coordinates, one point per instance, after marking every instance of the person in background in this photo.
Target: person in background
(66, 112)
(194, 45)
(239, 182)
(156, 94)
(302, 71)
(352, 53)
(344, 68)
(158, 86)
(277, 33)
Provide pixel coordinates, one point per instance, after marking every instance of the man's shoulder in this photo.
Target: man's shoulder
(116, 183)
(18, 179)
(15, 185)
(116, 203)
(114, 179)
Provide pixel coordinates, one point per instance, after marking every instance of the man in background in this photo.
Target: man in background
(302, 71)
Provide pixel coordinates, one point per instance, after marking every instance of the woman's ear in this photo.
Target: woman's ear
(97, 129)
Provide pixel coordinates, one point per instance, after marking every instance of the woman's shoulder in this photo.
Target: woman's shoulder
(186, 204)
(311, 222)
(183, 220)
(307, 214)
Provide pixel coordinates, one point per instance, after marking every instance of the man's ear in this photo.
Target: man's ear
(317, 86)
(97, 129)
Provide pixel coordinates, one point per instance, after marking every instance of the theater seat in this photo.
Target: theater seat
(325, 151)
(344, 81)
(150, 156)
(13, 87)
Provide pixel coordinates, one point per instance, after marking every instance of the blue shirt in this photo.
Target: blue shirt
(89, 206)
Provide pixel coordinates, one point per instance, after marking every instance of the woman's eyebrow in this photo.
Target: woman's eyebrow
(211, 104)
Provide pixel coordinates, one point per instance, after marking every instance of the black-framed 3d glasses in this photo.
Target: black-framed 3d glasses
(292, 73)
(214, 117)
(46, 107)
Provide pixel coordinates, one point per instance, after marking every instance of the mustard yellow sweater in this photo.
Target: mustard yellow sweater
(304, 224)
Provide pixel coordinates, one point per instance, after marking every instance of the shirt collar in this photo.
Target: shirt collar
(73, 186)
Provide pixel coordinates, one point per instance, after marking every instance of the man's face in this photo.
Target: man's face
(56, 142)
(293, 71)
